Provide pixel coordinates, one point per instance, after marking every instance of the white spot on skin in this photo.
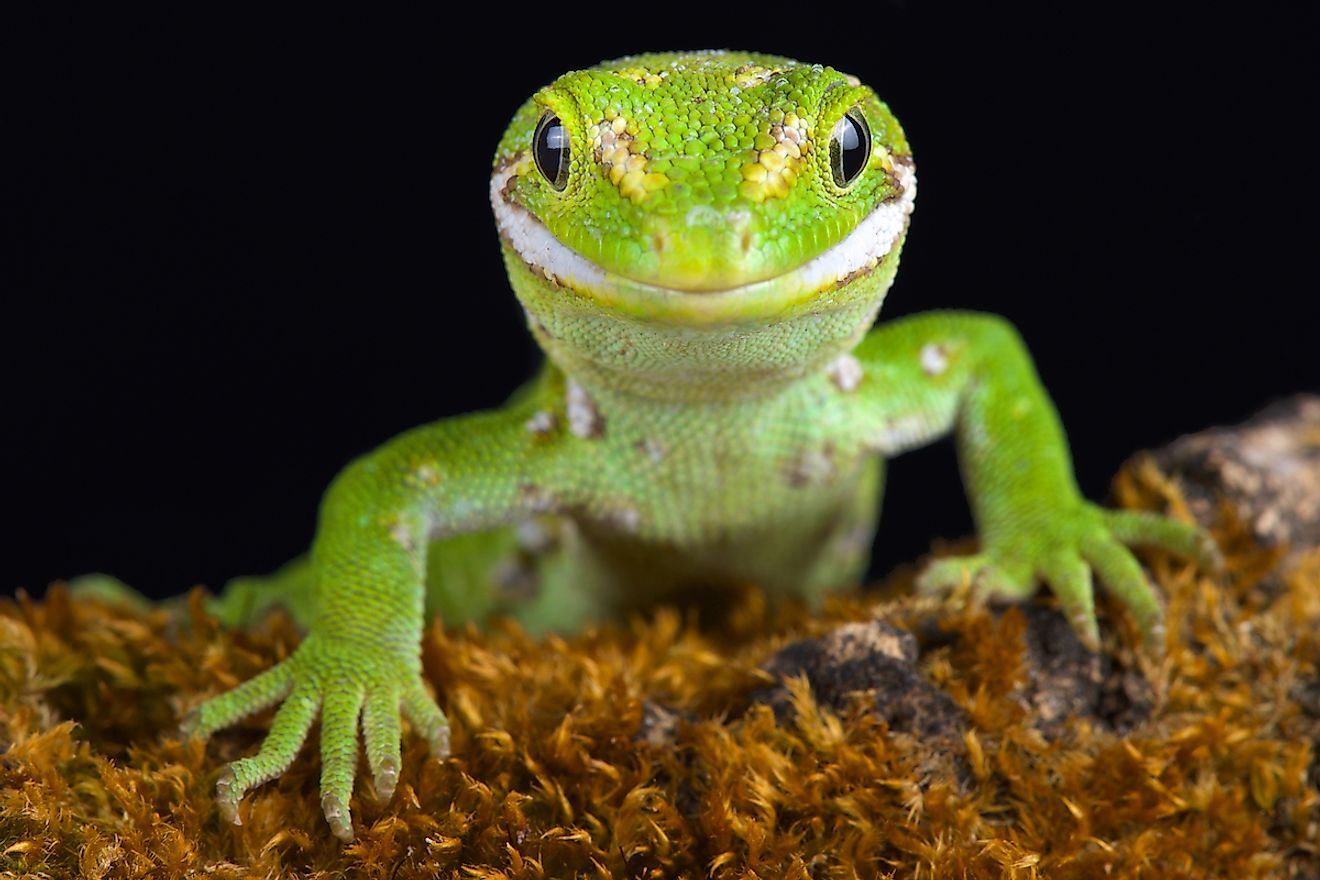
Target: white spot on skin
(811, 467)
(845, 371)
(934, 360)
(584, 420)
(652, 449)
(542, 422)
(449, 518)
(533, 536)
(536, 499)
(402, 536)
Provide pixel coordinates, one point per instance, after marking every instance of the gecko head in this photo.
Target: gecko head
(703, 187)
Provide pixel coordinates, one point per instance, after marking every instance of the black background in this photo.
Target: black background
(241, 250)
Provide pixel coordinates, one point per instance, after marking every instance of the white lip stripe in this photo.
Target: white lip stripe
(873, 238)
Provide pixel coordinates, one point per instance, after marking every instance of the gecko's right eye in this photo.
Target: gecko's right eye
(550, 149)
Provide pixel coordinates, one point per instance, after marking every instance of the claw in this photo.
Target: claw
(387, 777)
(439, 741)
(1210, 556)
(428, 720)
(338, 817)
(227, 796)
(1155, 639)
(1088, 631)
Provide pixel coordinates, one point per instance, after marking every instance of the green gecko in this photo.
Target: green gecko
(701, 242)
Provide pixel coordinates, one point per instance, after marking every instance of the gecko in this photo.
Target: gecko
(701, 242)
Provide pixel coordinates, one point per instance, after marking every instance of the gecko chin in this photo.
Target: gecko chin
(688, 297)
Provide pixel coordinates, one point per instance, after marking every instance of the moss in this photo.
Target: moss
(549, 778)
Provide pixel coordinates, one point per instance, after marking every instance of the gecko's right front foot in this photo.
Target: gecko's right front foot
(343, 681)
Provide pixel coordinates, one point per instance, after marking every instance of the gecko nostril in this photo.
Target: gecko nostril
(658, 242)
(745, 240)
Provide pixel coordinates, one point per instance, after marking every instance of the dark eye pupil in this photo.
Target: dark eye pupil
(850, 147)
(550, 149)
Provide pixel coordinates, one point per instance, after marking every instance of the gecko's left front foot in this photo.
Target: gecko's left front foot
(1063, 548)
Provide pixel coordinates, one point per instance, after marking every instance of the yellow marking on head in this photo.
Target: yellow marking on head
(752, 75)
(614, 143)
(775, 162)
(642, 76)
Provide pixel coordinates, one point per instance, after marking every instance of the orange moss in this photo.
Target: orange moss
(548, 778)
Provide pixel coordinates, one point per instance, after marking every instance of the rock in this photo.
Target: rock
(876, 659)
(1267, 468)
(1064, 680)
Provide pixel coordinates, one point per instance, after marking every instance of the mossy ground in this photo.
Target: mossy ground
(548, 778)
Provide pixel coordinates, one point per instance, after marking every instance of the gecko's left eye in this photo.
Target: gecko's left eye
(850, 147)
(550, 150)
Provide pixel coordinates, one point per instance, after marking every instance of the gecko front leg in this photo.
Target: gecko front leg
(360, 662)
(946, 371)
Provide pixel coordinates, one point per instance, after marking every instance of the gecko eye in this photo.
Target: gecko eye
(850, 147)
(550, 149)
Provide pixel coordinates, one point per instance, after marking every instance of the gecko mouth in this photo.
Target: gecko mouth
(860, 252)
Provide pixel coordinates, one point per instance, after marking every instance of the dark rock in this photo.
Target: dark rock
(1064, 680)
(874, 659)
(1267, 468)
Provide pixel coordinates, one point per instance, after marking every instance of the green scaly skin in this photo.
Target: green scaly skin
(711, 413)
